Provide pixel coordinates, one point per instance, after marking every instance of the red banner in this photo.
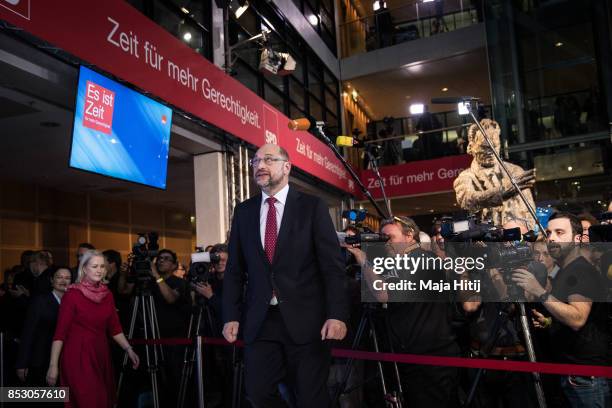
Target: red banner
(421, 177)
(119, 39)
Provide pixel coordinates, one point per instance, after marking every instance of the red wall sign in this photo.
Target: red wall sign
(114, 36)
(422, 177)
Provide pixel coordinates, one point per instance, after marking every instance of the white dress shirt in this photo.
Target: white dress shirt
(279, 205)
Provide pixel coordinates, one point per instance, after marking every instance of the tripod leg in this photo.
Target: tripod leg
(531, 354)
(130, 335)
(183, 384)
(378, 363)
(348, 366)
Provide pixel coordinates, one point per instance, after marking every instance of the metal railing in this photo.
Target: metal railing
(387, 27)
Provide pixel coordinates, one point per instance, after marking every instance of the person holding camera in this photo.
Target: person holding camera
(296, 292)
(578, 327)
(417, 327)
(172, 307)
(213, 289)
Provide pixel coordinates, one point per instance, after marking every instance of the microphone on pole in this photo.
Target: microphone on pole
(350, 141)
(300, 124)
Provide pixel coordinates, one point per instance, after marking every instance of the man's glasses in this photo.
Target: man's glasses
(268, 160)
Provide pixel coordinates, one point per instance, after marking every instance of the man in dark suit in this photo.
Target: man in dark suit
(296, 293)
(35, 342)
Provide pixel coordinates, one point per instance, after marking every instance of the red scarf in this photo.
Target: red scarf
(96, 292)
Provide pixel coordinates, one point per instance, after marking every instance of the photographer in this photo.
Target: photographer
(418, 327)
(172, 306)
(213, 289)
(578, 323)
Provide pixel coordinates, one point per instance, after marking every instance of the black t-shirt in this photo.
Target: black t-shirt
(423, 327)
(172, 318)
(589, 344)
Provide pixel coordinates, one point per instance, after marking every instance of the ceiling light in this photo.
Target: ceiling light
(345, 94)
(570, 168)
(427, 1)
(559, 44)
(314, 20)
(184, 10)
(379, 4)
(417, 108)
(444, 89)
(187, 36)
(243, 7)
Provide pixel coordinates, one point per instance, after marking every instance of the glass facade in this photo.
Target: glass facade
(320, 14)
(189, 21)
(550, 65)
(311, 90)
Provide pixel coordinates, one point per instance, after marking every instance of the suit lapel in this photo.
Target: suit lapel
(254, 214)
(288, 218)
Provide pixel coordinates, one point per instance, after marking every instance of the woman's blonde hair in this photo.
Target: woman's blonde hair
(87, 256)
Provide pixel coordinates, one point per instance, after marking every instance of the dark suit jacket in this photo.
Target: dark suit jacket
(38, 330)
(307, 271)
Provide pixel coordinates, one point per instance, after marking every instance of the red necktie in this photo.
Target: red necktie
(271, 232)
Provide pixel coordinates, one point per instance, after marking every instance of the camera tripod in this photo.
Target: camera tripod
(393, 399)
(201, 310)
(503, 316)
(144, 305)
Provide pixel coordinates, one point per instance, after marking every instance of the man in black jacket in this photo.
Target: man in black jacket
(35, 342)
(296, 294)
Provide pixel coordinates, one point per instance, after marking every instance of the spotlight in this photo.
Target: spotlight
(244, 5)
(276, 63)
(462, 108)
(187, 36)
(379, 4)
(314, 20)
(417, 109)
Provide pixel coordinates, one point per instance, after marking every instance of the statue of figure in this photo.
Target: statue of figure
(485, 189)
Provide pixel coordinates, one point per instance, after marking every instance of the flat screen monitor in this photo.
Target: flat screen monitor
(118, 132)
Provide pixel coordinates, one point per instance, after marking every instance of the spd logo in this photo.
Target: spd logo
(270, 125)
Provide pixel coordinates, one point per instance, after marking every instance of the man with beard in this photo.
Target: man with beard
(579, 333)
(296, 292)
(485, 188)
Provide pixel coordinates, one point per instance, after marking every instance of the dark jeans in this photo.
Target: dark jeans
(585, 392)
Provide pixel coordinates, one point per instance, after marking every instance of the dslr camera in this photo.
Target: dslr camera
(200, 268)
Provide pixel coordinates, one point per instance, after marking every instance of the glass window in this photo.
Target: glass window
(331, 102)
(274, 97)
(332, 124)
(316, 110)
(295, 112)
(246, 76)
(296, 93)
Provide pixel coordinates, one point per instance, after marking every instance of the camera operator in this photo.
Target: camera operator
(578, 323)
(172, 306)
(213, 289)
(418, 327)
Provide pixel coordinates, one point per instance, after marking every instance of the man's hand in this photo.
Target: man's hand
(230, 331)
(204, 289)
(153, 271)
(539, 320)
(526, 281)
(333, 330)
(359, 255)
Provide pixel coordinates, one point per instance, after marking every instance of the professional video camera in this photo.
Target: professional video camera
(200, 268)
(143, 252)
(502, 249)
(364, 234)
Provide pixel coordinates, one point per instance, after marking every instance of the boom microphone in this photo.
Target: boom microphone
(299, 124)
(453, 100)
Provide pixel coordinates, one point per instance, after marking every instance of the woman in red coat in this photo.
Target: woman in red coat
(87, 318)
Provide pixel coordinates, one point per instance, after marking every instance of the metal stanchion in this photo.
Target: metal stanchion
(200, 370)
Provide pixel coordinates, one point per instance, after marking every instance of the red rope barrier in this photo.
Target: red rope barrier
(488, 364)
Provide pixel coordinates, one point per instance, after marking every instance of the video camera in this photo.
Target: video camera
(502, 249)
(144, 251)
(363, 234)
(199, 270)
